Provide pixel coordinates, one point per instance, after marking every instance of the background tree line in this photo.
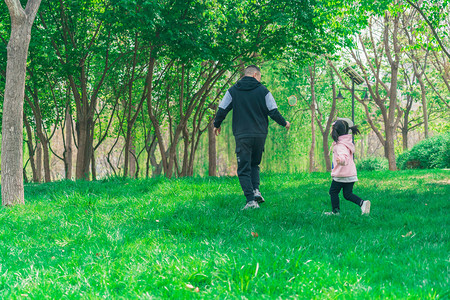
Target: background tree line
(137, 83)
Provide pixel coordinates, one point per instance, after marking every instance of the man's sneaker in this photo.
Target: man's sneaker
(365, 207)
(251, 205)
(330, 213)
(258, 197)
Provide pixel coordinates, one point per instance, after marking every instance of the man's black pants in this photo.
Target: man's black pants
(347, 188)
(249, 152)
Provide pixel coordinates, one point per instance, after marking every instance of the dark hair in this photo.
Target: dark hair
(340, 127)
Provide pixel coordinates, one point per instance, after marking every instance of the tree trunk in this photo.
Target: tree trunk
(46, 157)
(212, 152)
(326, 152)
(313, 141)
(405, 138)
(93, 167)
(31, 149)
(42, 136)
(126, 152)
(132, 158)
(405, 128)
(68, 147)
(424, 104)
(156, 167)
(184, 170)
(390, 148)
(38, 161)
(313, 116)
(12, 122)
(153, 119)
(84, 153)
(326, 131)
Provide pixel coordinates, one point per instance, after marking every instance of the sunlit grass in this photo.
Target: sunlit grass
(188, 238)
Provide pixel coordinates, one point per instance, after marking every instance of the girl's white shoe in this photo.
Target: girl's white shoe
(365, 207)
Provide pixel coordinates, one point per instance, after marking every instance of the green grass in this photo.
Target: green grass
(151, 239)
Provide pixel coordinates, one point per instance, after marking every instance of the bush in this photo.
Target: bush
(431, 153)
(372, 164)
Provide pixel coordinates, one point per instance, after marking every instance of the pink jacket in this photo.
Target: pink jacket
(344, 149)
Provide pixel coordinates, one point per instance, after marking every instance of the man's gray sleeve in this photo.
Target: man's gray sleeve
(224, 108)
(270, 102)
(273, 110)
(226, 100)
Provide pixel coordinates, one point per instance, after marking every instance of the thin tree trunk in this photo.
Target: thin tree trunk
(184, 171)
(68, 164)
(313, 142)
(127, 152)
(46, 157)
(38, 162)
(424, 103)
(313, 116)
(212, 152)
(31, 149)
(132, 158)
(326, 133)
(93, 167)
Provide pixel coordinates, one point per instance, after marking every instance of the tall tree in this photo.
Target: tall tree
(312, 108)
(80, 33)
(324, 120)
(12, 123)
(380, 70)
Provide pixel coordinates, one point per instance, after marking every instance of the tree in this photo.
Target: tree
(327, 119)
(435, 14)
(382, 58)
(12, 123)
(80, 34)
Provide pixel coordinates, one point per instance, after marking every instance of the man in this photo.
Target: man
(251, 103)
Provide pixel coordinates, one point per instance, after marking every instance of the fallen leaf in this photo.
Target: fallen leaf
(157, 221)
(408, 234)
(197, 290)
(189, 286)
(254, 234)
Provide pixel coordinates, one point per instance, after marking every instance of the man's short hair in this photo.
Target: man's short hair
(251, 69)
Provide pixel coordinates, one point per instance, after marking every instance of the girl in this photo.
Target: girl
(344, 169)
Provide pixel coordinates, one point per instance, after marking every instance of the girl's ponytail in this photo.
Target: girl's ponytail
(355, 130)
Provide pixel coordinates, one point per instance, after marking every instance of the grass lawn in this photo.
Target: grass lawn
(187, 238)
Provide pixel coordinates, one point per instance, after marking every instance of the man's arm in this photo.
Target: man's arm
(274, 114)
(224, 108)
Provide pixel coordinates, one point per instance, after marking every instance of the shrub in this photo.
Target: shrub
(372, 164)
(401, 160)
(431, 153)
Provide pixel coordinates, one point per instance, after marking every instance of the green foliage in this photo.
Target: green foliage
(372, 164)
(162, 238)
(431, 153)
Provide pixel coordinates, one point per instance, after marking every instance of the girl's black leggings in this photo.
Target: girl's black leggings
(347, 188)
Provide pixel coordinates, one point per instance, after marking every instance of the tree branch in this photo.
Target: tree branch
(417, 8)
